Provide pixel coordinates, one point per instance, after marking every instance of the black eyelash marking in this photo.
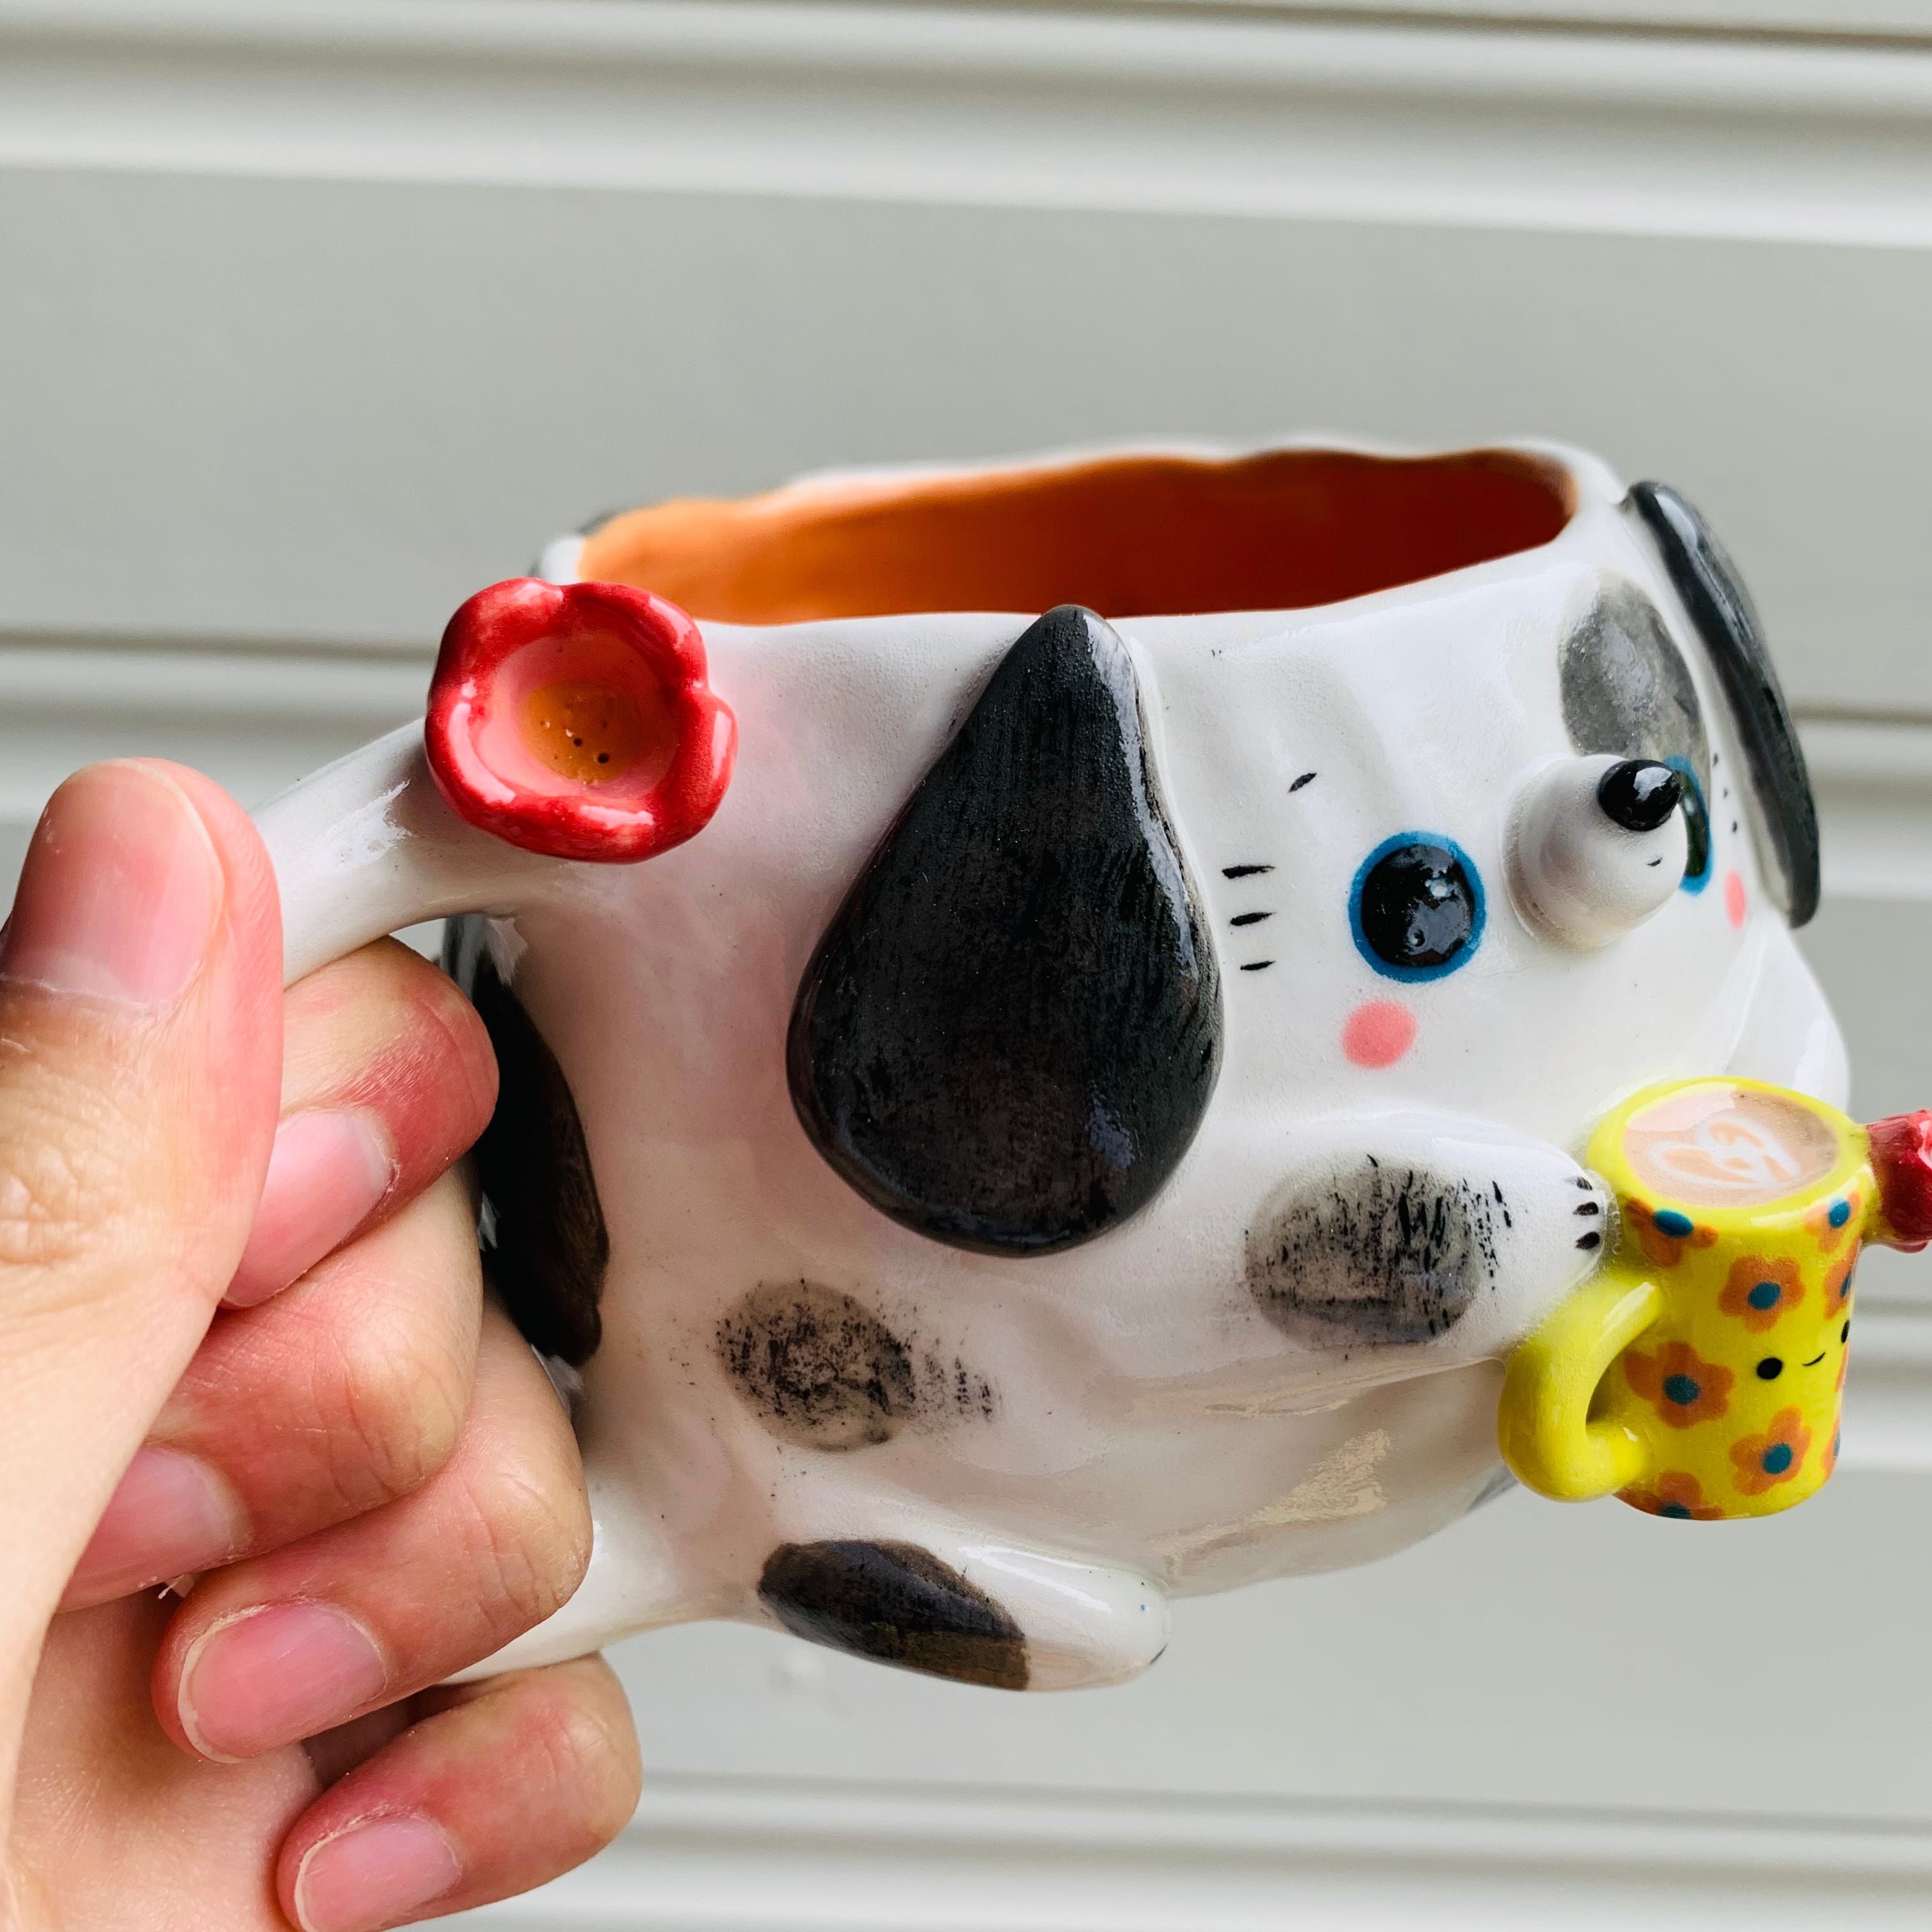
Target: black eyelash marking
(1586, 1207)
(1250, 918)
(1582, 1181)
(1591, 1239)
(1301, 781)
(1243, 871)
(1256, 965)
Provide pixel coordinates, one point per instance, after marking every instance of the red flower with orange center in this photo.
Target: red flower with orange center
(1760, 1290)
(1678, 1494)
(1776, 1456)
(1679, 1383)
(577, 720)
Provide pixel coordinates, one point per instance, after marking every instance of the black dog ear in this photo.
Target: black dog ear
(1008, 1035)
(1704, 576)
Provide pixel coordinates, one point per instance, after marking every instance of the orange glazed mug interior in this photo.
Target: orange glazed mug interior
(1126, 536)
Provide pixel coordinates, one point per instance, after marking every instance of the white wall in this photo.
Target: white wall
(313, 317)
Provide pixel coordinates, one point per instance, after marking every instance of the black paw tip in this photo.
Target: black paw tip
(895, 1603)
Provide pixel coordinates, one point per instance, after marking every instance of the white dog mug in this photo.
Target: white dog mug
(1047, 1013)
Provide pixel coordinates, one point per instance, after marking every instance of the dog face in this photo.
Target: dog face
(1403, 854)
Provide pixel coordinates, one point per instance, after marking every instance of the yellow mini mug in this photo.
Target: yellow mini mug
(1699, 1373)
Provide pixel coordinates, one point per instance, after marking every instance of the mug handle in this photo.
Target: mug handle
(1544, 1424)
(503, 789)
(369, 844)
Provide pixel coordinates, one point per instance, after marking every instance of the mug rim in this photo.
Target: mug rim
(974, 529)
(1606, 1157)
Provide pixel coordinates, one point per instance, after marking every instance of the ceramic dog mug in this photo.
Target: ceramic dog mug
(1699, 1375)
(1081, 1098)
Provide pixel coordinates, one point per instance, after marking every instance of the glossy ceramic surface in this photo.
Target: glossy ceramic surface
(1089, 1117)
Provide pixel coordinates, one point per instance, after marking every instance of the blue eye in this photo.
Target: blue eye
(1416, 906)
(1697, 827)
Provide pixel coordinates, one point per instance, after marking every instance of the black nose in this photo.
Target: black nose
(1638, 794)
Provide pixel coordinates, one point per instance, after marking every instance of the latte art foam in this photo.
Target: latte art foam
(1716, 1145)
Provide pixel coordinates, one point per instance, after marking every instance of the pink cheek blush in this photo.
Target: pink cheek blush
(1378, 1034)
(1734, 899)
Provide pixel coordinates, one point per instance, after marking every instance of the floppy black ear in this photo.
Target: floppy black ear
(1009, 1034)
(1704, 576)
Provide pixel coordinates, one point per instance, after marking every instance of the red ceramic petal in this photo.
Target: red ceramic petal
(575, 719)
(1901, 1148)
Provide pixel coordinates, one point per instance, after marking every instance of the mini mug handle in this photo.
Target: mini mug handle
(1543, 1423)
(566, 722)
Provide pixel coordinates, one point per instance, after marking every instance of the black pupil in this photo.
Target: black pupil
(1417, 906)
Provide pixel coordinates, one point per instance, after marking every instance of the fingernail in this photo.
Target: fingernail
(329, 1168)
(119, 893)
(368, 1876)
(171, 1514)
(270, 1676)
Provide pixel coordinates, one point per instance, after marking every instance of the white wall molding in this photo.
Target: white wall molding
(763, 1856)
(1836, 19)
(1327, 118)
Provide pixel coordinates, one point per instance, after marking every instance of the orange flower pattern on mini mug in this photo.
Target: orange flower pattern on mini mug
(1758, 1290)
(1679, 1383)
(1830, 1221)
(1763, 1461)
(1677, 1494)
(1838, 1286)
(1664, 1233)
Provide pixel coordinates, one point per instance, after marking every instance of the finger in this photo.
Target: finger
(287, 1644)
(140, 1049)
(504, 1786)
(387, 1078)
(341, 1395)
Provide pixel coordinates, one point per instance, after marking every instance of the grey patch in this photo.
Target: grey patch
(1381, 1256)
(1626, 688)
(895, 1603)
(823, 1371)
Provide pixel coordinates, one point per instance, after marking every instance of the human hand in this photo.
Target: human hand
(367, 1467)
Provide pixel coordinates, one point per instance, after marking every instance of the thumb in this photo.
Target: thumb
(140, 1067)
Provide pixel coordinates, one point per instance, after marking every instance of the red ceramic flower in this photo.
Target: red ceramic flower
(1763, 1461)
(1679, 1383)
(1901, 1152)
(575, 719)
(1758, 1290)
(1676, 1494)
